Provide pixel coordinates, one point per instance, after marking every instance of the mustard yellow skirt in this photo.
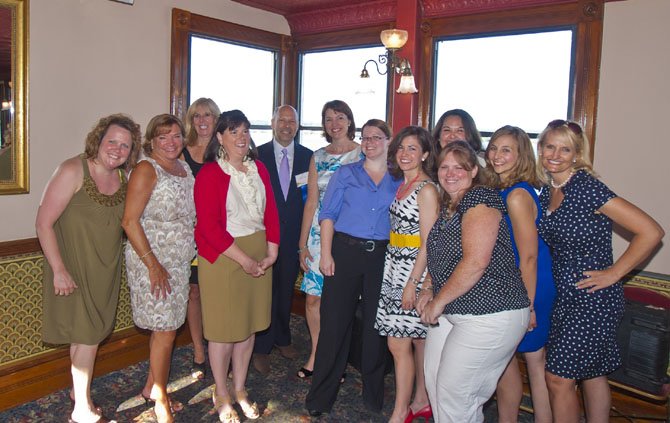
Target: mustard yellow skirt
(235, 305)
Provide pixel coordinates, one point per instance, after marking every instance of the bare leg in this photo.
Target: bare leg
(401, 348)
(219, 360)
(241, 357)
(509, 393)
(313, 315)
(194, 318)
(538, 386)
(597, 399)
(160, 354)
(83, 360)
(420, 394)
(563, 398)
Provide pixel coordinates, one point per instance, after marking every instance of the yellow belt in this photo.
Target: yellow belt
(405, 240)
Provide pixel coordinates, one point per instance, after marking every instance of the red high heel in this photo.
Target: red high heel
(426, 412)
(410, 416)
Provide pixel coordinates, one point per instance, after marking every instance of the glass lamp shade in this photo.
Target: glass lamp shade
(407, 85)
(393, 39)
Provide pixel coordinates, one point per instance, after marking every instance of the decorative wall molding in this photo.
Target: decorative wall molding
(343, 17)
(444, 8)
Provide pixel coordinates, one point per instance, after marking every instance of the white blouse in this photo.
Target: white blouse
(245, 204)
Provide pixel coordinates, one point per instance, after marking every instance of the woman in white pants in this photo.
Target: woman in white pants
(477, 299)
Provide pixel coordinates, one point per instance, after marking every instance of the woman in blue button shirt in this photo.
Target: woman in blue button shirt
(355, 229)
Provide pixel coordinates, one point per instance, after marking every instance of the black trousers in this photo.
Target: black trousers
(358, 274)
(284, 275)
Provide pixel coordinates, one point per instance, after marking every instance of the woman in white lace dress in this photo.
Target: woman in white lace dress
(158, 220)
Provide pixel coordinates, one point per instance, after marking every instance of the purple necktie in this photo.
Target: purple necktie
(284, 173)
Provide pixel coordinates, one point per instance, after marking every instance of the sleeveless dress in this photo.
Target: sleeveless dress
(391, 319)
(168, 221)
(195, 168)
(582, 340)
(90, 241)
(326, 165)
(544, 287)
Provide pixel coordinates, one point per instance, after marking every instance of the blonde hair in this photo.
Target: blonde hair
(524, 168)
(209, 104)
(572, 134)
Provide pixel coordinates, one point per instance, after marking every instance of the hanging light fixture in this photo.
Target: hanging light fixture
(393, 40)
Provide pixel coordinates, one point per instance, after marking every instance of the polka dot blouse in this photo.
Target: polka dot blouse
(500, 287)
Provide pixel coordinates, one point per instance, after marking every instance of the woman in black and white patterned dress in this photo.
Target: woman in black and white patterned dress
(413, 213)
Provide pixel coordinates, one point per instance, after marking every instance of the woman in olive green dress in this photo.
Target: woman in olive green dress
(79, 227)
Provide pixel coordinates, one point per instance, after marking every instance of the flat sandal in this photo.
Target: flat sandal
(231, 415)
(249, 409)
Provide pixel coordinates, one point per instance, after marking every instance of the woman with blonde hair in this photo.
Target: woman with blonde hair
(510, 165)
(200, 121)
(577, 213)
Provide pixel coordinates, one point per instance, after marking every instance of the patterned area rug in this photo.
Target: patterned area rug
(280, 396)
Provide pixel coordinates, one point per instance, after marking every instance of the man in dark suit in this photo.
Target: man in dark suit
(288, 164)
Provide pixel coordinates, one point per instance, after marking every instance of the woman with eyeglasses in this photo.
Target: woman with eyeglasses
(413, 212)
(339, 130)
(578, 211)
(355, 229)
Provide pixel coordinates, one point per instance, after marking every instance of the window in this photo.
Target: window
(524, 81)
(235, 77)
(335, 75)
(235, 65)
(564, 37)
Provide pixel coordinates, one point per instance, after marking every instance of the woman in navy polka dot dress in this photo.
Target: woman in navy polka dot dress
(577, 215)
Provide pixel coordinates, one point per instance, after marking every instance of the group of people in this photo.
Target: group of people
(453, 258)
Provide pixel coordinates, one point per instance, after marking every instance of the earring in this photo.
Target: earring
(574, 160)
(222, 153)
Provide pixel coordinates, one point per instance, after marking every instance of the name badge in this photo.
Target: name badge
(301, 179)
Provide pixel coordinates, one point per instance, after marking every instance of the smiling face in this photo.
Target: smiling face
(169, 142)
(410, 154)
(336, 124)
(503, 154)
(203, 122)
(115, 147)
(454, 178)
(452, 130)
(558, 156)
(374, 142)
(235, 142)
(285, 125)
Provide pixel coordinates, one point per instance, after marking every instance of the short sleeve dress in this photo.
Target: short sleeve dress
(544, 283)
(326, 165)
(582, 339)
(401, 254)
(90, 241)
(168, 221)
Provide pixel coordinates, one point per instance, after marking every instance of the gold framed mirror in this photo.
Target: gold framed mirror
(14, 177)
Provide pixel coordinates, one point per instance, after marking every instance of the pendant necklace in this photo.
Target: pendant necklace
(403, 189)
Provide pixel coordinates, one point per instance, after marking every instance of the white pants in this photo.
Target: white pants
(465, 356)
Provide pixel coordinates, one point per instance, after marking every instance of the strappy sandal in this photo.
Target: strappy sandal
(249, 409)
(198, 370)
(229, 416)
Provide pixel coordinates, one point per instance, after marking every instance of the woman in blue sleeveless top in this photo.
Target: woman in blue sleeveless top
(510, 163)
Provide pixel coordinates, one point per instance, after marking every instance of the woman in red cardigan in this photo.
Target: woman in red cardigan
(237, 234)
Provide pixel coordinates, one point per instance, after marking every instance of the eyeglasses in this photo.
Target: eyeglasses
(375, 138)
(574, 127)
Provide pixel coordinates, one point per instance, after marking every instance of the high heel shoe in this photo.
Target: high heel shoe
(229, 416)
(426, 412)
(410, 416)
(249, 409)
